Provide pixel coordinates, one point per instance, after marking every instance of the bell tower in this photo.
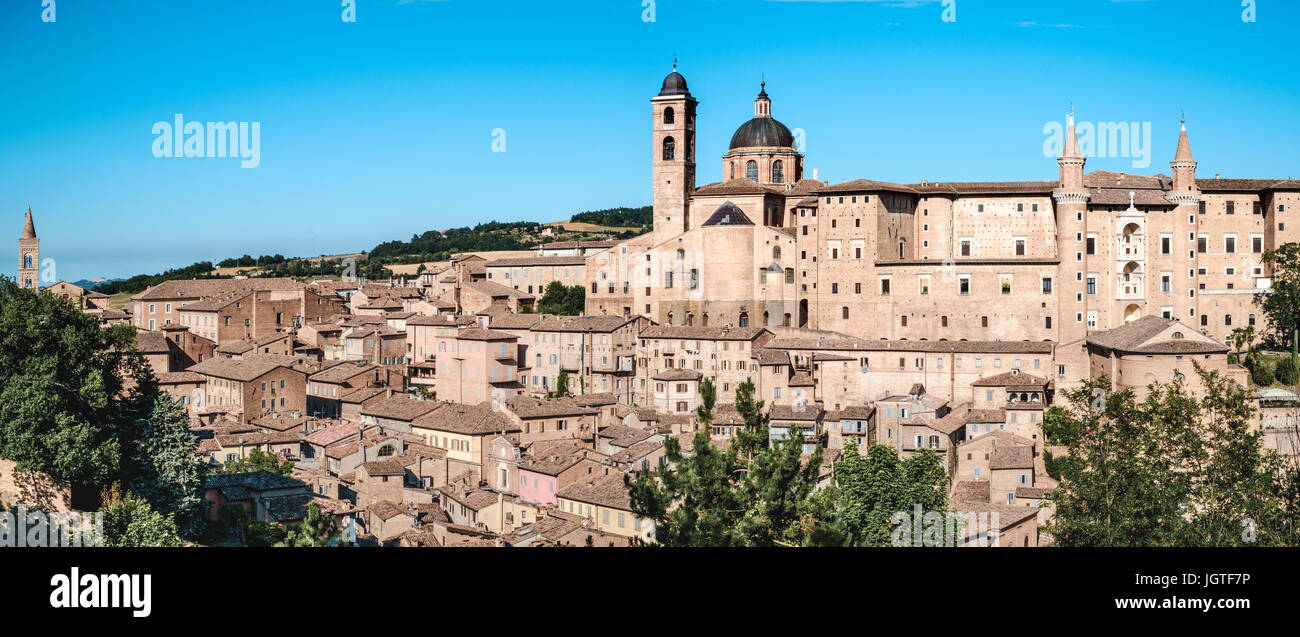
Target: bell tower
(29, 255)
(673, 162)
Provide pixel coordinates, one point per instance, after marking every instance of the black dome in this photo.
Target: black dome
(762, 131)
(674, 84)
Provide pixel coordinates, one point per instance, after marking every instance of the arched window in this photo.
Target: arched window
(776, 253)
(27, 261)
(670, 149)
(744, 319)
(669, 116)
(789, 275)
(778, 171)
(844, 312)
(690, 319)
(704, 319)
(751, 170)
(681, 254)
(732, 174)
(767, 318)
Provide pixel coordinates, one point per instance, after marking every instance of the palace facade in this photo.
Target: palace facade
(1049, 260)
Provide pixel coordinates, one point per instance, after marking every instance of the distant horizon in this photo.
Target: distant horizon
(380, 129)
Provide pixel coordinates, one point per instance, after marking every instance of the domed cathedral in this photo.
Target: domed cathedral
(29, 255)
(763, 149)
(719, 255)
(1031, 263)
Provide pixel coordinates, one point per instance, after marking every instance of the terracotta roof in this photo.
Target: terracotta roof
(678, 374)
(605, 323)
(1140, 336)
(807, 413)
(173, 378)
(596, 400)
(1013, 377)
(852, 412)
(1012, 457)
(481, 334)
(737, 187)
(986, 416)
(399, 408)
(206, 288)
(235, 369)
(527, 407)
(251, 480)
(494, 289)
(389, 467)
(604, 490)
(537, 261)
(471, 420)
(512, 321)
(866, 185)
(344, 371)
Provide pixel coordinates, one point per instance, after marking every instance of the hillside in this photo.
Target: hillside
(433, 245)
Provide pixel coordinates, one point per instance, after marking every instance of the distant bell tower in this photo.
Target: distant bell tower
(29, 255)
(673, 164)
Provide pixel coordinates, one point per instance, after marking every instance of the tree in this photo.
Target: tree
(562, 300)
(1281, 303)
(749, 494)
(561, 386)
(1287, 372)
(876, 486)
(160, 451)
(258, 460)
(317, 529)
(1169, 470)
(130, 522)
(1262, 373)
(708, 398)
(63, 401)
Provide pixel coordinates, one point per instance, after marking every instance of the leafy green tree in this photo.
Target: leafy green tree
(1281, 304)
(160, 452)
(562, 300)
(1262, 373)
(258, 460)
(1287, 372)
(1170, 470)
(708, 399)
(130, 522)
(749, 494)
(875, 486)
(63, 401)
(317, 529)
(561, 386)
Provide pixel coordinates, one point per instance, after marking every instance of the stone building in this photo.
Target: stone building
(1045, 261)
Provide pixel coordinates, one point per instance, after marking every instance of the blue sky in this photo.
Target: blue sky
(382, 128)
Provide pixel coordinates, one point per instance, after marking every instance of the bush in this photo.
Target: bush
(1232, 358)
(1288, 373)
(1262, 375)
